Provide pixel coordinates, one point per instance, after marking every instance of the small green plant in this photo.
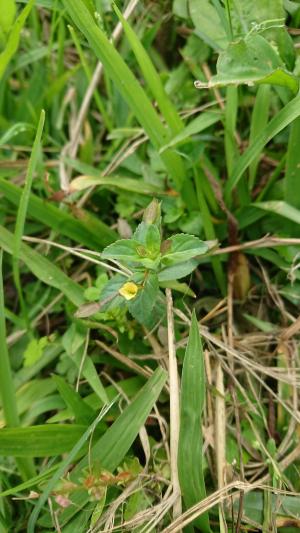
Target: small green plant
(149, 263)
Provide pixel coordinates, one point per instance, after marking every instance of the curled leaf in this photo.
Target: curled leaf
(250, 61)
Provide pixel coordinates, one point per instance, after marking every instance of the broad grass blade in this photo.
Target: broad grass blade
(281, 208)
(259, 120)
(190, 449)
(14, 38)
(111, 449)
(292, 174)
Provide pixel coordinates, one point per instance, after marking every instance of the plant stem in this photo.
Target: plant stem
(21, 216)
(229, 19)
(7, 390)
(174, 405)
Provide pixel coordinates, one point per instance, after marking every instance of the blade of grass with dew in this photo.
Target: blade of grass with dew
(292, 173)
(127, 85)
(86, 230)
(7, 389)
(14, 38)
(192, 400)
(22, 212)
(43, 269)
(16, 129)
(111, 449)
(152, 77)
(259, 121)
(285, 116)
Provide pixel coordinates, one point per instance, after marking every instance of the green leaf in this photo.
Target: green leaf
(115, 182)
(190, 465)
(250, 61)
(180, 8)
(182, 248)
(179, 287)
(82, 412)
(208, 24)
(287, 506)
(39, 441)
(178, 271)
(201, 123)
(7, 15)
(14, 35)
(34, 351)
(123, 250)
(292, 173)
(259, 120)
(153, 240)
(142, 305)
(281, 208)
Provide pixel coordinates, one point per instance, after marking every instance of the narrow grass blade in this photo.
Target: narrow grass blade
(14, 38)
(111, 449)
(190, 465)
(285, 116)
(231, 108)
(281, 208)
(84, 229)
(22, 211)
(16, 129)
(259, 120)
(152, 77)
(209, 229)
(82, 412)
(202, 122)
(90, 373)
(292, 174)
(127, 84)
(7, 389)
(43, 269)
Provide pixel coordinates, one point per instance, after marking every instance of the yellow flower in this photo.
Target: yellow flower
(129, 290)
